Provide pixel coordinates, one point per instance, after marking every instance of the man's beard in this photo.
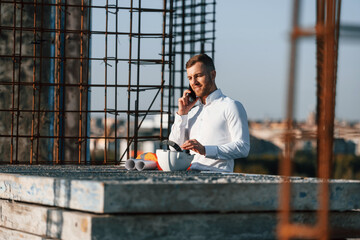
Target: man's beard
(205, 89)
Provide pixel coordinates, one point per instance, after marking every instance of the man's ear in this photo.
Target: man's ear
(213, 75)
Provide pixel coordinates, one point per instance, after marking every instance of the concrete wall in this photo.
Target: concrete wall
(22, 42)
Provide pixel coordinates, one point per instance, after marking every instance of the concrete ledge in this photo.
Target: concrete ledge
(63, 224)
(74, 194)
(102, 202)
(46, 221)
(111, 190)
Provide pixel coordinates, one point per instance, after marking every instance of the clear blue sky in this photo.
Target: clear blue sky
(252, 55)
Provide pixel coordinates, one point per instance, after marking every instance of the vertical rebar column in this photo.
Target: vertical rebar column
(213, 31)
(183, 28)
(171, 64)
(285, 167)
(326, 104)
(105, 88)
(75, 81)
(194, 33)
(33, 86)
(42, 19)
(192, 27)
(162, 70)
(19, 82)
(88, 65)
(175, 59)
(63, 81)
(116, 81)
(57, 81)
(136, 121)
(13, 88)
(80, 139)
(36, 90)
(202, 26)
(327, 31)
(129, 80)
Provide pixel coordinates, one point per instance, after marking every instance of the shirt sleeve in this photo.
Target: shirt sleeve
(178, 130)
(239, 147)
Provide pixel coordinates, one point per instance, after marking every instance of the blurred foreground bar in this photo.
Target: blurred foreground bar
(92, 202)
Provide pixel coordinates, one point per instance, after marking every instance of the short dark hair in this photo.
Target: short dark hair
(205, 59)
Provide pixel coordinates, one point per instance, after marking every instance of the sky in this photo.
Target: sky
(251, 58)
(252, 54)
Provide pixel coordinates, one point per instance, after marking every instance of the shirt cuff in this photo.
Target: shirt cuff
(211, 152)
(181, 119)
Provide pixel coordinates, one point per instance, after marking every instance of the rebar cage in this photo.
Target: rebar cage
(90, 82)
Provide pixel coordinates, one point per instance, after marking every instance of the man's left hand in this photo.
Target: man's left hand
(194, 145)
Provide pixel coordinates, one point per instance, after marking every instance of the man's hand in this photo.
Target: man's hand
(184, 104)
(194, 145)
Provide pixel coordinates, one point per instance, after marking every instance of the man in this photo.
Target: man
(213, 127)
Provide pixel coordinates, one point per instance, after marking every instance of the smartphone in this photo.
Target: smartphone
(192, 95)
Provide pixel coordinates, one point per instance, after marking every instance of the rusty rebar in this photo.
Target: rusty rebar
(34, 88)
(13, 88)
(171, 60)
(57, 82)
(327, 35)
(81, 82)
(285, 167)
(129, 80)
(105, 88)
(136, 120)
(19, 79)
(162, 80)
(51, 84)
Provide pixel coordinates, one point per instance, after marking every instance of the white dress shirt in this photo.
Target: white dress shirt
(221, 126)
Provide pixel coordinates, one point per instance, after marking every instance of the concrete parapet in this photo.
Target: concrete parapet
(102, 202)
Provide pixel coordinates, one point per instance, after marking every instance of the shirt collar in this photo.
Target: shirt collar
(213, 96)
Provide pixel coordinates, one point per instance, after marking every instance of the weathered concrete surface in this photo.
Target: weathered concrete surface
(46, 221)
(112, 190)
(64, 224)
(20, 69)
(17, 235)
(117, 204)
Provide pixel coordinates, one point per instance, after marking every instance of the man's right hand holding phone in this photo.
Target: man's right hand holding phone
(185, 104)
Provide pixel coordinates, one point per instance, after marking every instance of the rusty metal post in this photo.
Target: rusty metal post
(327, 35)
(328, 27)
(285, 167)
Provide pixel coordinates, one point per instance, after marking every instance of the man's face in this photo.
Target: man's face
(201, 80)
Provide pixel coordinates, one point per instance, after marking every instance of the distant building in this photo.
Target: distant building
(346, 135)
(149, 127)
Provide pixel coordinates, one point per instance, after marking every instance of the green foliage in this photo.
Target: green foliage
(259, 164)
(97, 157)
(346, 167)
(304, 163)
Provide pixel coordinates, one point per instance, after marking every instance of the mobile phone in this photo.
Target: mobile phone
(192, 95)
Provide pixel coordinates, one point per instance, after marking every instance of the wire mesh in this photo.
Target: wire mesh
(83, 78)
(194, 33)
(69, 63)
